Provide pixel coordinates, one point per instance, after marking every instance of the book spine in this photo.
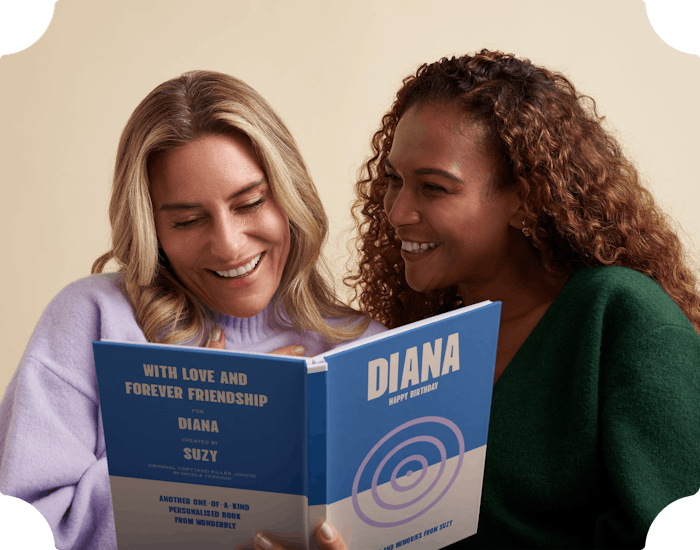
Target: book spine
(317, 451)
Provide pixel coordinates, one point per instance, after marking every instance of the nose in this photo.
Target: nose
(401, 206)
(227, 237)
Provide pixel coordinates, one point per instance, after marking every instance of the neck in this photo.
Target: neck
(521, 284)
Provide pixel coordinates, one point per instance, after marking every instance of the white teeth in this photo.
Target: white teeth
(417, 248)
(242, 270)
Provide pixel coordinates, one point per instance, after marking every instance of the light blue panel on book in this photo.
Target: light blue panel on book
(395, 409)
(204, 416)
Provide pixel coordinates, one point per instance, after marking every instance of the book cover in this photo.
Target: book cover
(385, 438)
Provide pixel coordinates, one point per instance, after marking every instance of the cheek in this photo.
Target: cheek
(277, 224)
(180, 247)
(389, 200)
(178, 250)
(285, 238)
(166, 240)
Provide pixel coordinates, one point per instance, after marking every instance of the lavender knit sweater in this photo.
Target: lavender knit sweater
(52, 448)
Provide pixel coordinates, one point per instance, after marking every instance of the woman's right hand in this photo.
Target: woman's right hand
(217, 340)
(326, 537)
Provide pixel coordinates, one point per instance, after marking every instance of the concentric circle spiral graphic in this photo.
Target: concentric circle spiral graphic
(408, 483)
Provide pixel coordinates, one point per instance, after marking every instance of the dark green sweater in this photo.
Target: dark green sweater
(595, 423)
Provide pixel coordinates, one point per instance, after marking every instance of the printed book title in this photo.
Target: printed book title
(383, 374)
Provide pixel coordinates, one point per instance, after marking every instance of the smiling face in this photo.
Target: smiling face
(455, 227)
(217, 220)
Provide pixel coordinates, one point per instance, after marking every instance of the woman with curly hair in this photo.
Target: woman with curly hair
(492, 178)
(217, 231)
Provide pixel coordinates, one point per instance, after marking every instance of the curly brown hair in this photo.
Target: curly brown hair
(582, 199)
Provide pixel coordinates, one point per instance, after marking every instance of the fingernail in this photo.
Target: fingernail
(299, 350)
(215, 334)
(327, 531)
(262, 541)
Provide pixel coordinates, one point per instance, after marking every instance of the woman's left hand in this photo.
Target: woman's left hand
(217, 340)
(326, 536)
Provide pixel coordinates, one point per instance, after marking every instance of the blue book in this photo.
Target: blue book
(385, 438)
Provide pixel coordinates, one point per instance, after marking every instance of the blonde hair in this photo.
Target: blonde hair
(178, 112)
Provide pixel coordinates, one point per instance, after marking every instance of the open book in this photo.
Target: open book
(385, 438)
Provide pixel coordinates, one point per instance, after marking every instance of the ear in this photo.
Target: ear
(518, 212)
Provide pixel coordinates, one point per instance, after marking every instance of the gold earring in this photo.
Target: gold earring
(526, 230)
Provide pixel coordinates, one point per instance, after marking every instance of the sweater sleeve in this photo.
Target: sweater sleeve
(49, 440)
(52, 451)
(650, 426)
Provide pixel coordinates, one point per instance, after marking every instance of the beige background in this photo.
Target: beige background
(329, 68)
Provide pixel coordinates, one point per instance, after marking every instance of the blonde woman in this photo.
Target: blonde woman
(216, 235)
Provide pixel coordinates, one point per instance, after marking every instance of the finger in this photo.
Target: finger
(266, 542)
(217, 340)
(290, 350)
(328, 538)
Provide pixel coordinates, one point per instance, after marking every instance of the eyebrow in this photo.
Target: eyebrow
(170, 206)
(428, 172)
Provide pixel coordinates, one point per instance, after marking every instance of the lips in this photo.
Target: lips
(242, 270)
(416, 247)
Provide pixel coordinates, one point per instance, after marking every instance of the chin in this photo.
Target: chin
(419, 285)
(241, 308)
(424, 283)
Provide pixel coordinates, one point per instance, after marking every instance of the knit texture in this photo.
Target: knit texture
(52, 448)
(595, 423)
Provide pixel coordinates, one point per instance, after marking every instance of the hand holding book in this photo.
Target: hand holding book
(366, 437)
(326, 537)
(217, 340)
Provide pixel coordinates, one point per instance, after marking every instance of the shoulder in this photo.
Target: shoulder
(614, 280)
(614, 315)
(92, 288)
(628, 317)
(621, 296)
(373, 328)
(89, 302)
(92, 308)
(80, 298)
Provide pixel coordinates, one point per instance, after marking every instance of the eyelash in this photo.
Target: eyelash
(431, 188)
(186, 225)
(252, 207)
(245, 209)
(434, 189)
(392, 180)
